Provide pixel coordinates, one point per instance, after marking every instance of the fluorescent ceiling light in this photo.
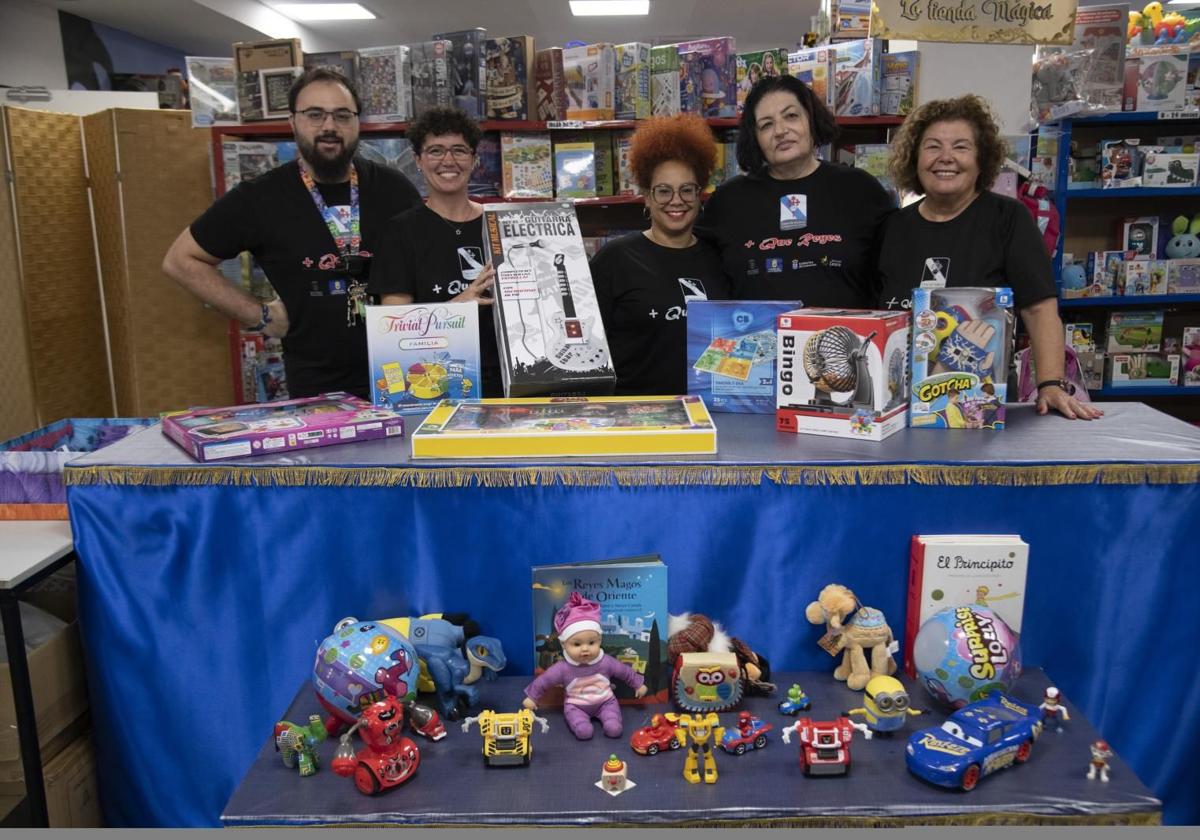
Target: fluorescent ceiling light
(582, 8)
(324, 11)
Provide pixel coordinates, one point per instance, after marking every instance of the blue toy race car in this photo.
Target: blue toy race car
(978, 739)
(749, 734)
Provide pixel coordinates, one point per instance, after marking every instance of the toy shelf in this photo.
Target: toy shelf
(1135, 192)
(1134, 117)
(1127, 300)
(1147, 391)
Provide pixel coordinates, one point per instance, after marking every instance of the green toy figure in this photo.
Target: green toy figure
(797, 701)
(298, 744)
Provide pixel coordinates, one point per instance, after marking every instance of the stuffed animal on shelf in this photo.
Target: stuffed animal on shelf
(1186, 240)
(853, 629)
(696, 633)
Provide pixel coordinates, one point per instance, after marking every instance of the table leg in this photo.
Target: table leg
(27, 735)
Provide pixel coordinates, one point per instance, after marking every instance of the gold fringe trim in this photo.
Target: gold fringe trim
(824, 821)
(675, 475)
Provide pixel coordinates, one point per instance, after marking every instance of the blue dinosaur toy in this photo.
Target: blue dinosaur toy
(453, 656)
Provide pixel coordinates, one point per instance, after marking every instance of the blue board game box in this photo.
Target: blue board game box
(731, 353)
(421, 353)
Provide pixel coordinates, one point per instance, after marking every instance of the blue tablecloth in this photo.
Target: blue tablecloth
(205, 588)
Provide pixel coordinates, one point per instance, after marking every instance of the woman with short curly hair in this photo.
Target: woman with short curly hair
(962, 234)
(644, 281)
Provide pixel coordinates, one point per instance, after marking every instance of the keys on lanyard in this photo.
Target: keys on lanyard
(347, 245)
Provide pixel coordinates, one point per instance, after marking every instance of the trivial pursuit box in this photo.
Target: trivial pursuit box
(421, 353)
(731, 353)
(842, 372)
(212, 434)
(961, 346)
(551, 426)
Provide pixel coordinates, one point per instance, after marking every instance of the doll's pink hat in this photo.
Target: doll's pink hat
(575, 616)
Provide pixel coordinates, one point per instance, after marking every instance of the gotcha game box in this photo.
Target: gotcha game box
(842, 372)
(961, 346)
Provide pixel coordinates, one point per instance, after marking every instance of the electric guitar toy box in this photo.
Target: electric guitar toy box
(551, 339)
(841, 372)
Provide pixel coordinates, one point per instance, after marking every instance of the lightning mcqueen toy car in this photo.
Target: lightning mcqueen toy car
(978, 739)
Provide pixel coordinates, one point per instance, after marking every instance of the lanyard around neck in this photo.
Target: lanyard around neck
(346, 246)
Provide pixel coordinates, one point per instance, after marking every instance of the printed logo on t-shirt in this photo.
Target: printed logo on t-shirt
(751, 267)
(691, 288)
(935, 273)
(793, 211)
(774, 265)
(470, 261)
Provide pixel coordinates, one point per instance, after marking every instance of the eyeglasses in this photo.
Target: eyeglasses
(439, 152)
(316, 116)
(664, 193)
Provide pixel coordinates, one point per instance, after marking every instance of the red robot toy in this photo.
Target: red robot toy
(825, 744)
(388, 758)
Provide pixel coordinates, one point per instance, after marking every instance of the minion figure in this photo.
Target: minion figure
(885, 705)
(699, 733)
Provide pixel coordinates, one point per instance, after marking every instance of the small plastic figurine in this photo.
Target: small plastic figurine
(885, 705)
(1053, 710)
(388, 758)
(825, 744)
(584, 672)
(699, 732)
(298, 744)
(797, 701)
(614, 777)
(750, 734)
(1101, 753)
(506, 735)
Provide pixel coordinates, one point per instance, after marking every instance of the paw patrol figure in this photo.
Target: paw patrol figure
(1053, 711)
(699, 733)
(1101, 753)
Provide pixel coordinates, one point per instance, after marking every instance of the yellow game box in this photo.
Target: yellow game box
(553, 426)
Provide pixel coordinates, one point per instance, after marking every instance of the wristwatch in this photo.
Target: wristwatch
(1061, 383)
(266, 319)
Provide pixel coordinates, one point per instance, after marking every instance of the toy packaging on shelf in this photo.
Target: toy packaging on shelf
(961, 348)
(1183, 277)
(1169, 169)
(212, 434)
(468, 74)
(632, 592)
(856, 85)
(1135, 332)
(1140, 236)
(1091, 367)
(566, 426)
(345, 63)
(814, 67)
(528, 170)
(487, 174)
(245, 161)
(421, 353)
(956, 570)
(575, 170)
(1190, 344)
(591, 78)
(275, 87)
(385, 84)
(731, 352)
(431, 75)
(550, 85)
(1100, 32)
(1162, 82)
(664, 80)
(633, 81)
(548, 322)
(841, 372)
(1120, 163)
(708, 77)
(753, 66)
(1142, 370)
(509, 92)
(1104, 270)
(251, 58)
(395, 153)
(624, 183)
(899, 82)
(212, 90)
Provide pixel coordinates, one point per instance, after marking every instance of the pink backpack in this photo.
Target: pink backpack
(1027, 383)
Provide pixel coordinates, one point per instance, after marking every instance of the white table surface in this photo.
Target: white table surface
(27, 547)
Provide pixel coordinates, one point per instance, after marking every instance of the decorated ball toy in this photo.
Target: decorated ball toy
(360, 663)
(962, 654)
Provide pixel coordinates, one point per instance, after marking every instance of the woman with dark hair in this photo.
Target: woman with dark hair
(434, 252)
(794, 227)
(644, 281)
(963, 234)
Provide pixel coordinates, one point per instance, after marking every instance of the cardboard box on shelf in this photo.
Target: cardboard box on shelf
(12, 773)
(72, 794)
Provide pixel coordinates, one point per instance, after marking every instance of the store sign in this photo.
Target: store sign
(976, 21)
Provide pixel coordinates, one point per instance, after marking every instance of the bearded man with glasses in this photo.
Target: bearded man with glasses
(312, 225)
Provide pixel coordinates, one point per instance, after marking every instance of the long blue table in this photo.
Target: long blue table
(204, 589)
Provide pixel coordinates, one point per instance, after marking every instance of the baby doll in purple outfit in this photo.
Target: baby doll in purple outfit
(584, 672)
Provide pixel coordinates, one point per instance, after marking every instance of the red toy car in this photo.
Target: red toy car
(658, 736)
(387, 759)
(825, 744)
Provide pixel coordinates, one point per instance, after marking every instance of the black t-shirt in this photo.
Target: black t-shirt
(994, 242)
(422, 256)
(274, 218)
(814, 239)
(643, 290)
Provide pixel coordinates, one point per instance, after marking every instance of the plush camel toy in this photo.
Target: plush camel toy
(856, 628)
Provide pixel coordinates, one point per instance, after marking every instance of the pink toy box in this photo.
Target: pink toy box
(213, 434)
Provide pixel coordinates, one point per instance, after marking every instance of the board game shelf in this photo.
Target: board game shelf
(1127, 300)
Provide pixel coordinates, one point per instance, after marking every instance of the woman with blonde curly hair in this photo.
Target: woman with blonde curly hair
(644, 281)
(963, 234)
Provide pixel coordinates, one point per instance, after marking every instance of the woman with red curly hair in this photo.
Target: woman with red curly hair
(644, 281)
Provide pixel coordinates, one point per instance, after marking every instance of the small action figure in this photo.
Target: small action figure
(387, 759)
(585, 672)
(298, 744)
(1101, 753)
(797, 701)
(1053, 709)
(885, 705)
(750, 734)
(699, 732)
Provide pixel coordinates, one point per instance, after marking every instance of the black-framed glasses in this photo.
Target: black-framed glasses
(664, 193)
(317, 116)
(456, 152)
